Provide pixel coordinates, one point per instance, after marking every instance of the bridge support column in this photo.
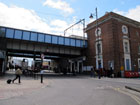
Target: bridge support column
(2, 62)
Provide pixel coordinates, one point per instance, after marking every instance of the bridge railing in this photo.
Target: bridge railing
(41, 37)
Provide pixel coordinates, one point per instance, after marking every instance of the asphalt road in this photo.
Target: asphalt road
(79, 91)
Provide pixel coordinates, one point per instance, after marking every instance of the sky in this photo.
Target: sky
(54, 16)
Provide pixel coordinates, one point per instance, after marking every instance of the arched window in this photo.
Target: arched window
(98, 32)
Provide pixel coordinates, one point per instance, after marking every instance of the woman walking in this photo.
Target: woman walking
(18, 73)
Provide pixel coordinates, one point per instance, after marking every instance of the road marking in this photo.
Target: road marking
(137, 99)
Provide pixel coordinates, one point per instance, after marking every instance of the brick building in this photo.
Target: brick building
(114, 42)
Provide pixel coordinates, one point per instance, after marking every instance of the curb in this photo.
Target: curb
(134, 89)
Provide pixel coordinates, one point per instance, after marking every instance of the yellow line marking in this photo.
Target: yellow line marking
(137, 99)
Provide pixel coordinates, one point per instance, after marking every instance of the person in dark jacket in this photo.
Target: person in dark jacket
(99, 71)
(18, 74)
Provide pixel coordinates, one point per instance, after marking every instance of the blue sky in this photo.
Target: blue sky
(53, 16)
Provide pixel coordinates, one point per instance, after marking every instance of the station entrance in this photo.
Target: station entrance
(47, 63)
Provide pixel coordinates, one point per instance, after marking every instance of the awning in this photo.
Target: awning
(1, 55)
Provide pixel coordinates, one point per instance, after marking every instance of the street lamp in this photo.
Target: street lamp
(98, 48)
(91, 17)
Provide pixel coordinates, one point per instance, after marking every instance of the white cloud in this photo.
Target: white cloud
(21, 18)
(119, 12)
(59, 4)
(58, 26)
(131, 13)
(59, 23)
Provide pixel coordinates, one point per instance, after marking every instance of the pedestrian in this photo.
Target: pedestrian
(18, 74)
(99, 71)
(105, 72)
(111, 72)
(91, 72)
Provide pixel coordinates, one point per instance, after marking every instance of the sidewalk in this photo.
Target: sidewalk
(27, 85)
(134, 82)
(123, 80)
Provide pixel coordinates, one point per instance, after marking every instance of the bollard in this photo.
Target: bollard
(41, 78)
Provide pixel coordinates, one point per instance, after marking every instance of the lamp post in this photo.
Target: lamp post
(98, 48)
(91, 17)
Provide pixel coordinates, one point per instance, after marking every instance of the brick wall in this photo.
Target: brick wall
(112, 41)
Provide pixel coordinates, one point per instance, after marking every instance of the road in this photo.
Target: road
(79, 90)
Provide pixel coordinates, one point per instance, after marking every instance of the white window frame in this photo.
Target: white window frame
(98, 33)
(124, 29)
(126, 41)
(98, 42)
(99, 56)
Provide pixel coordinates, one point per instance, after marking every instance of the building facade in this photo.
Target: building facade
(114, 43)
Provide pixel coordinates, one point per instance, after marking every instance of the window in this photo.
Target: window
(34, 36)
(72, 42)
(126, 47)
(98, 32)
(61, 40)
(137, 33)
(54, 39)
(139, 49)
(48, 38)
(124, 29)
(41, 37)
(139, 64)
(82, 43)
(18, 34)
(98, 48)
(26, 35)
(9, 33)
(86, 44)
(67, 41)
(2, 32)
(78, 43)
